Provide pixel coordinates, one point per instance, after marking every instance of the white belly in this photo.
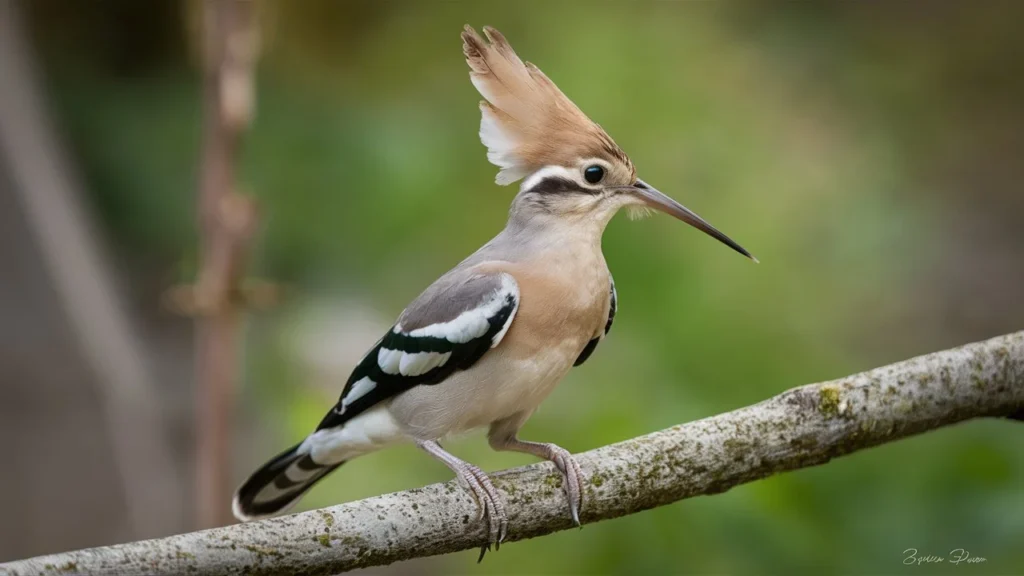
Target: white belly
(495, 388)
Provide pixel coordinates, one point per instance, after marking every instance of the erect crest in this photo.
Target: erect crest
(527, 121)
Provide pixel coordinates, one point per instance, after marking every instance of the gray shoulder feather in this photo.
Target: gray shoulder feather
(453, 295)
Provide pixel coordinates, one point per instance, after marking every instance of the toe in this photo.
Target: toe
(573, 484)
(497, 520)
(579, 481)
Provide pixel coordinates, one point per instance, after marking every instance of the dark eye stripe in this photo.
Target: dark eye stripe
(559, 185)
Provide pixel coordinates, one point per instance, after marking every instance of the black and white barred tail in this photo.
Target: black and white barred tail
(278, 484)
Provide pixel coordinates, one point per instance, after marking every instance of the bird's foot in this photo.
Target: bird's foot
(489, 506)
(567, 465)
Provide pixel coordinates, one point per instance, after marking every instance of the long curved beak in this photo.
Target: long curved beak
(655, 199)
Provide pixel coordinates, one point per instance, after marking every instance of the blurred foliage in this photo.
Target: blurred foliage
(817, 136)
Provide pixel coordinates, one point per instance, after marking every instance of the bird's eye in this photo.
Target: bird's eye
(593, 173)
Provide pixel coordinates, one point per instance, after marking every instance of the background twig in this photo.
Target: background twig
(227, 220)
(801, 427)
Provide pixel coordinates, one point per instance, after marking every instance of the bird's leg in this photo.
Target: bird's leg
(503, 437)
(479, 485)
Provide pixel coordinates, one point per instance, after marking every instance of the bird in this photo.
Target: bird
(483, 345)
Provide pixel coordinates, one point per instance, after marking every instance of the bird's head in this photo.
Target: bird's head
(571, 169)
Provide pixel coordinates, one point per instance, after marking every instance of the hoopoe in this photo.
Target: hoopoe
(486, 343)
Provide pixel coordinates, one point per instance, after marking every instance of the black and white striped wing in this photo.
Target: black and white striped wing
(612, 306)
(448, 328)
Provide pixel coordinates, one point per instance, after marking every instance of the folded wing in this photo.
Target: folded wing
(448, 328)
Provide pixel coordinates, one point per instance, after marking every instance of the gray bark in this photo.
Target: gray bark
(802, 427)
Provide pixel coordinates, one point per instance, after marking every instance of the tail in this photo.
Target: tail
(279, 484)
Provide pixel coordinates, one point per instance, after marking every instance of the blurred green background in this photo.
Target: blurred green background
(868, 153)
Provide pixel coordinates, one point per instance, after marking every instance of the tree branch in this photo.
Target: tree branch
(799, 428)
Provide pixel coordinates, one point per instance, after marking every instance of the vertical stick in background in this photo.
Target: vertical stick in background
(227, 220)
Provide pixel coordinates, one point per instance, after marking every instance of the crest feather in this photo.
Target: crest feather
(526, 121)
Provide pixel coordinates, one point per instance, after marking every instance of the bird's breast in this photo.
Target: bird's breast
(561, 308)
